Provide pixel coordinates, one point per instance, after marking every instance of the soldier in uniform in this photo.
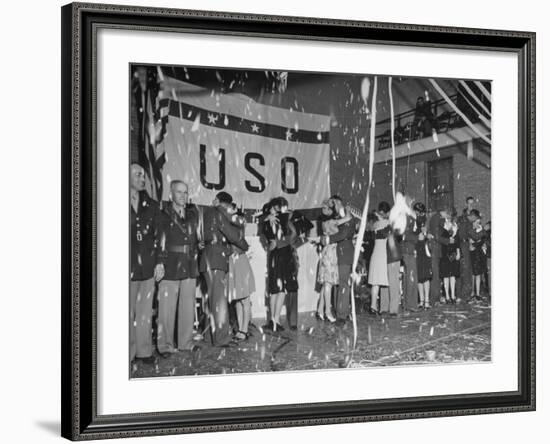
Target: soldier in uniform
(143, 218)
(218, 235)
(344, 250)
(178, 261)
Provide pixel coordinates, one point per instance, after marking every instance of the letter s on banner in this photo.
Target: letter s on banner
(261, 179)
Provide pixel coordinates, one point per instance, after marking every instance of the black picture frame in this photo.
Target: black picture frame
(79, 174)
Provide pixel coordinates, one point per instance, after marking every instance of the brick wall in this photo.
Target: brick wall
(472, 179)
(469, 179)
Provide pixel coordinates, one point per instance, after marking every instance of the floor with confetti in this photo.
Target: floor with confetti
(443, 334)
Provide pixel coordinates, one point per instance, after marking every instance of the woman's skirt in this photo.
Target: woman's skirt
(328, 266)
(282, 270)
(240, 278)
(479, 261)
(423, 263)
(378, 266)
(449, 264)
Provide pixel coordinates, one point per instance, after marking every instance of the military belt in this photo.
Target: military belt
(179, 249)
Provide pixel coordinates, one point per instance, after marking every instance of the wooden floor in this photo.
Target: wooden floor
(444, 334)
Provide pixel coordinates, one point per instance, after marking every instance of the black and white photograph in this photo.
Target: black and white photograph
(301, 221)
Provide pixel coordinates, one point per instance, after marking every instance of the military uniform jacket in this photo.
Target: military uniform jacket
(410, 237)
(464, 225)
(178, 243)
(344, 241)
(143, 225)
(218, 235)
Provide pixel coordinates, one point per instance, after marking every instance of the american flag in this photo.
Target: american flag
(152, 116)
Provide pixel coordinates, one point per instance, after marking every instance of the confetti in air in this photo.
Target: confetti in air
(470, 150)
(365, 89)
(196, 123)
(399, 213)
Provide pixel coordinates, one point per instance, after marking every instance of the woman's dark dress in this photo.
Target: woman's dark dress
(449, 264)
(281, 262)
(478, 258)
(423, 261)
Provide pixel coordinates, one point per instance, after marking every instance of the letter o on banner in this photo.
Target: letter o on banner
(284, 186)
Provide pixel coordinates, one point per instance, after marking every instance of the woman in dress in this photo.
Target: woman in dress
(378, 266)
(449, 263)
(279, 232)
(477, 237)
(423, 256)
(240, 282)
(327, 274)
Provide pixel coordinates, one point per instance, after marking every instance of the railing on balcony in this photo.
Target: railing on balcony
(409, 127)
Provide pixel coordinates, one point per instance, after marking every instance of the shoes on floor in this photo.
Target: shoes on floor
(278, 327)
(240, 336)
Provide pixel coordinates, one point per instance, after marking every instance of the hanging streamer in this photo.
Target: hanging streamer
(460, 113)
(483, 89)
(392, 129)
(484, 119)
(479, 102)
(363, 224)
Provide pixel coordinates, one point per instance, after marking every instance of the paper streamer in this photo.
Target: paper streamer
(363, 224)
(460, 113)
(484, 119)
(392, 129)
(483, 89)
(479, 102)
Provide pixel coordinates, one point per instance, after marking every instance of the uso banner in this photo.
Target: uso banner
(228, 142)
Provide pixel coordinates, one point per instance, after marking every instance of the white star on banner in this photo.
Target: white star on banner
(212, 119)
(255, 128)
(288, 134)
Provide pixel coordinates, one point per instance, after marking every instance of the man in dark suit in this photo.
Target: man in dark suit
(218, 235)
(344, 251)
(144, 214)
(178, 261)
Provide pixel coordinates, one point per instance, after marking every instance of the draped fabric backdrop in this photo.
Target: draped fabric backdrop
(228, 142)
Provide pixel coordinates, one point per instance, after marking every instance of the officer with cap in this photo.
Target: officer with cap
(218, 235)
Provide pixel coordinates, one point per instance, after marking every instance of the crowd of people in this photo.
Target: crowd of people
(173, 244)
(444, 258)
(177, 247)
